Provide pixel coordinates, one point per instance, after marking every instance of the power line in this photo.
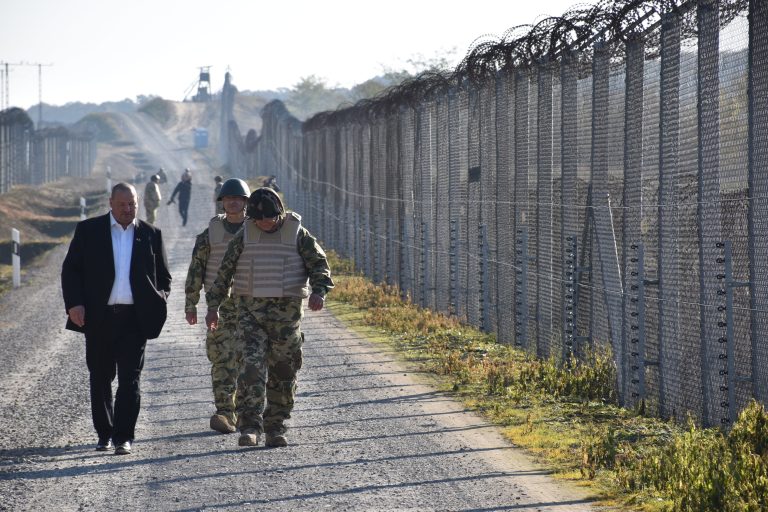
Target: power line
(5, 94)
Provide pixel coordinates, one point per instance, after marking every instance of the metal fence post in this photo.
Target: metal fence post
(570, 284)
(453, 301)
(731, 376)
(424, 281)
(521, 288)
(389, 241)
(485, 297)
(637, 328)
(359, 241)
(406, 276)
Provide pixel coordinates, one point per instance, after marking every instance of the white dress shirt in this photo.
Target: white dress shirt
(122, 246)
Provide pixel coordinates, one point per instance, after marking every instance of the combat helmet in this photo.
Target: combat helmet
(234, 187)
(264, 203)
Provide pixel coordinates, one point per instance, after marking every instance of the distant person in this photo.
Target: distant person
(224, 345)
(162, 175)
(115, 282)
(152, 198)
(271, 182)
(216, 195)
(184, 190)
(271, 264)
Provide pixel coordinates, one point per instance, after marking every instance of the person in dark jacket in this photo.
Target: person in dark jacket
(184, 190)
(115, 282)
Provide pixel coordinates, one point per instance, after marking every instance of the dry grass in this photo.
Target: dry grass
(565, 416)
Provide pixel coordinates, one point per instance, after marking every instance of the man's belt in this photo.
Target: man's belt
(119, 308)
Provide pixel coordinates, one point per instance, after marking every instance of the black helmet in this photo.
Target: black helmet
(218, 179)
(234, 187)
(155, 178)
(264, 203)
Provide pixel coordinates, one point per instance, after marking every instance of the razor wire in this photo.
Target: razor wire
(596, 178)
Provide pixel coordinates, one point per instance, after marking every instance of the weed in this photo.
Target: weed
(566, 413)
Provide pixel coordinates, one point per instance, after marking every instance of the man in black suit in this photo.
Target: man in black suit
(115, 282)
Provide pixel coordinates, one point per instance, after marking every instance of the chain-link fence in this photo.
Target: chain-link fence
(597, 181)
(32, 157)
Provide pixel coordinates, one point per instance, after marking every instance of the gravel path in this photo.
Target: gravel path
(365, 434)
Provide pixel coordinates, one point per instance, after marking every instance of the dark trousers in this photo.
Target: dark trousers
(183, 209)
(117, 349)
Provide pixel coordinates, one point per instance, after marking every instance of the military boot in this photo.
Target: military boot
(249, 437)
(221, 423)
(275, 440)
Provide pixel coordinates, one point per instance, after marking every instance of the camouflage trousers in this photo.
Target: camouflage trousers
(272, 341)
(224, 349)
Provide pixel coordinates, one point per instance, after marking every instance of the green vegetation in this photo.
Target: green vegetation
(163, 111)
(102, 125)
(312, 94)
(565, 415)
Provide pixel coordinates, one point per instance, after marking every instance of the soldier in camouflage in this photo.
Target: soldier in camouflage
(152, 198)
(272, 264)
(223, 345)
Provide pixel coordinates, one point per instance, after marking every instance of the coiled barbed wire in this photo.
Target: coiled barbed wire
(611, 22)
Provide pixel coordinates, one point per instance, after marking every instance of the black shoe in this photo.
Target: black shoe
(104, 445)
(123, 448)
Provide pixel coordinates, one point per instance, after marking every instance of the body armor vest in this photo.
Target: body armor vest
(270, 264)
(218, 238)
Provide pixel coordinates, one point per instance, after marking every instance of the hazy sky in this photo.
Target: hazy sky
(104, 50)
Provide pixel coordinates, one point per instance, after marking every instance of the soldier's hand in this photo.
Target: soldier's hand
(316, 302)
(212, 319)
(77, 315)
(191, 317)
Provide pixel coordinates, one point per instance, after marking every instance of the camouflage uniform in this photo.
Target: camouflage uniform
(271, 328)
(152, 201)
(223, 346)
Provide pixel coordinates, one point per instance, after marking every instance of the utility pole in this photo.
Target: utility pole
(6, 90)
(4, 96)
(39, 95)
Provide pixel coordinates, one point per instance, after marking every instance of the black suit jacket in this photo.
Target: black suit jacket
(88, 274)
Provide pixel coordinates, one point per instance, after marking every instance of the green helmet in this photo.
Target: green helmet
(234, 187)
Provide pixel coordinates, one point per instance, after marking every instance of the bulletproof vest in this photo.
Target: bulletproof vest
(270, 264)
(218, 238)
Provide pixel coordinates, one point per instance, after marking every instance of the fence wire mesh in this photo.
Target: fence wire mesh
(598, 182)
(30, 156)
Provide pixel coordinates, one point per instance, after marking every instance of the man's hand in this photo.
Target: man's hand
(212, 319)
(77, 315)
(316, 302)
(191, 317)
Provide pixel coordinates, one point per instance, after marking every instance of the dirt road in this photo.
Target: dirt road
(365, 435)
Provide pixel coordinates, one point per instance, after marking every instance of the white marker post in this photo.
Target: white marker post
(82, 209)
(109, 180)
(16, 257)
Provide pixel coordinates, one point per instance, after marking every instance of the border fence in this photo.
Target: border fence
(33, 157)
(599, 179)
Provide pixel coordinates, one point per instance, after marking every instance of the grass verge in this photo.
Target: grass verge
(565, 415)
(45, 215)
